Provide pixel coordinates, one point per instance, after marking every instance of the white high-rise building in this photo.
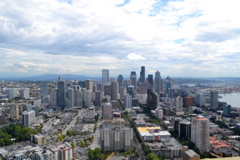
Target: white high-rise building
(200, 133)
(24, 93)
(53, 97)
(74, 96)
(105, 77)
(107, 110)
(11, 93)
(158, 84)
(214, 99)
(128, 101)
(159, 113)
(179, 104)
(28, 117)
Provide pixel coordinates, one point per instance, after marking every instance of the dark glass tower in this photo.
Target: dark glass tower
(61, 96)
(142, 74)
(120, 80)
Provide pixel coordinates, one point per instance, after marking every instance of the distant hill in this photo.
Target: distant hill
(50, 77)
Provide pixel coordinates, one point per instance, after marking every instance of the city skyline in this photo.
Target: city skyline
(185, 38)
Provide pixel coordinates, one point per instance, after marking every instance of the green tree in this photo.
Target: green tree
(152, 156)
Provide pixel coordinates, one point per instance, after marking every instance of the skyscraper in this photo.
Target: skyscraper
(200, 133)
(158, 82)
(74, 96)
(128, 101)
(89, 84)
(133, 78)
(142, 74)
(150, 79)
(53, 97)
(105, 77)
(168, 84)
(61, 96)
(178, 104)
(28, 117)
(120, 80)
(214, 99)
(114, 90)
(131, 91)
(14, 112)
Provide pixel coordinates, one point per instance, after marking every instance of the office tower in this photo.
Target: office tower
(105, 77)
(214, 99)
(182, 128)
(24, 93)
(143, 87)
(28, 117)
(74, 96)
(123, 91)
(114, 90)
(131, 90)
(168, 84)
(61, 96)
(98, 98)
(89, 84)
(11, 93)
(227, 110)
(14, 112)
(82, 84)
(158, 82)
(87, 98)
(199, 100)
(188, 101)
(152, 100)
(91, 112)
(150, 79)
(179, 104)
(171, 93)
(133, 78)
(200, 133)
(142, 74)
(53, 97)
(107, 89)
(114, 136)
(128, 101)
(36, 109)
(107, 110)
(120, 80)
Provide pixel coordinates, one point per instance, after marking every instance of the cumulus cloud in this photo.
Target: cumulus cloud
(84, 36)
(134, 56)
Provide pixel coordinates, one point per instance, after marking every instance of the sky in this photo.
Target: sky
(179, 38)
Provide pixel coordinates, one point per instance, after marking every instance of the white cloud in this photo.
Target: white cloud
(134, 56)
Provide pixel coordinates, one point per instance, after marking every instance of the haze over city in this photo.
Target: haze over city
(187, 38)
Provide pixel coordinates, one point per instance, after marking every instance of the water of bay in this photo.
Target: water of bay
(232, 99)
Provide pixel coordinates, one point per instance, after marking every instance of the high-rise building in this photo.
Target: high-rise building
(227, 110)
(120, 80)
(53, 97)
(179, 104)
(107, 89)
(87, 98)
(152, 100)
(171, 93)
(168, 84)
(28, 117)
(105, 77)
(214, 99)
(107, 110)
(89, 84)
(142, 74)
(114, 136)
(91, 112)
(131, 90)
(24, 93)
(14, 112)
(200, 133)
(158, 82)
(61, 96)
(133, 78)
(150, 79)
(128, 101)
(98, 98)
(114, 90)
(11, 93)
(123, 91)
(199, 100)
(159, 113)
(74, 96)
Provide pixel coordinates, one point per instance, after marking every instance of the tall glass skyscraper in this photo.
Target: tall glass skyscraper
(142, 74)
(105, 77)
(61, 96)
